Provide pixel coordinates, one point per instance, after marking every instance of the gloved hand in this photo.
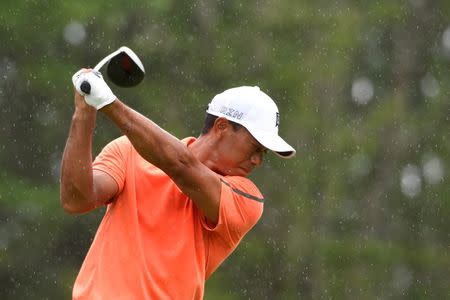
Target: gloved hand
(100, 94)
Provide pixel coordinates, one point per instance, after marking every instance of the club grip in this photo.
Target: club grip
(85, 87)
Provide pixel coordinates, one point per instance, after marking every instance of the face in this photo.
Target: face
(238, 152)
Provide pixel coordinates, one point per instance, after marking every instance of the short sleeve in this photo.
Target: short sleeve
(113, 160)
(241, 206)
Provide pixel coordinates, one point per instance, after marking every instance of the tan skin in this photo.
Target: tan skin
(195, 169)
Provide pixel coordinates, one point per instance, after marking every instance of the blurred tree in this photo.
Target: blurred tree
(362, 87)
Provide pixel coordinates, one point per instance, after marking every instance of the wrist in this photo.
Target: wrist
(109, 106)
(84, 114)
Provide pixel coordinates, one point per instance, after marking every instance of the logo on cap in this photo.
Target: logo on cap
(231, 112)
(277, 119)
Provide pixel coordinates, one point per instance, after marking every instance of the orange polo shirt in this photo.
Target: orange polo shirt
(153, 242)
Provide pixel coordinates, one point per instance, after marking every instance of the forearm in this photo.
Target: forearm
(152, 142)
(77, 192)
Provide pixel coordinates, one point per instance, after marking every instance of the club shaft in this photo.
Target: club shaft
(85, 86)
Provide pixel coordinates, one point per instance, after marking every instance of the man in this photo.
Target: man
(175, 209)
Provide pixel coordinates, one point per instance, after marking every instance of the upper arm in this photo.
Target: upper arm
(109, 171)
(105, 187)
(241, 206)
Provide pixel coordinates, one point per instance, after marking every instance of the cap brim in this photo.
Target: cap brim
(273, 142)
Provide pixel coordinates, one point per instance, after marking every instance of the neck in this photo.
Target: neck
(204, 149)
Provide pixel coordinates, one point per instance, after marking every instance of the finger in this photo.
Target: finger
(91, 77)
(79, 73)
(78, 82)
(76, 76)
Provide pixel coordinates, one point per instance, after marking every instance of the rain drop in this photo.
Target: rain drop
(362, 91)
(433, 171)
(74, 33)
(411, 182)
(429, 86)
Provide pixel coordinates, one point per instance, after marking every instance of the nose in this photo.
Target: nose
(256, 159)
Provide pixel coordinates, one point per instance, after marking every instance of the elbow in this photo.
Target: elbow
(183, 163)
(67, 206)
(178, 161)
(70, 205)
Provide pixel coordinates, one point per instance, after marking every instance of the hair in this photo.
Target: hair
(209, 123)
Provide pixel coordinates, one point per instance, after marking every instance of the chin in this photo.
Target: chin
(242, 172)
(237, 172)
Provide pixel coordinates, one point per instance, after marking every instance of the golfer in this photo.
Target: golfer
(175, 209)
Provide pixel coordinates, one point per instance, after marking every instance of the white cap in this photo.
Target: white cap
(254, 110)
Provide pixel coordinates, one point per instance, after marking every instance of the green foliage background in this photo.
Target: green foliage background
(328, 231)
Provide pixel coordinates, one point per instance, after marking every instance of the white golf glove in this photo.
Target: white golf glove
(100, 94)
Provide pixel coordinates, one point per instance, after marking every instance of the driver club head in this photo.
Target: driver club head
(125, 69)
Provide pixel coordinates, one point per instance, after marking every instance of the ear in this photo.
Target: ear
(221, 125)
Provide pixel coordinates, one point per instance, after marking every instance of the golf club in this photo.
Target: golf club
(124, 69)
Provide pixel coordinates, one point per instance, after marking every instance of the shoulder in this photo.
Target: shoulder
(121, 141)
(121, 144)
(117, 149)
(243, 187)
